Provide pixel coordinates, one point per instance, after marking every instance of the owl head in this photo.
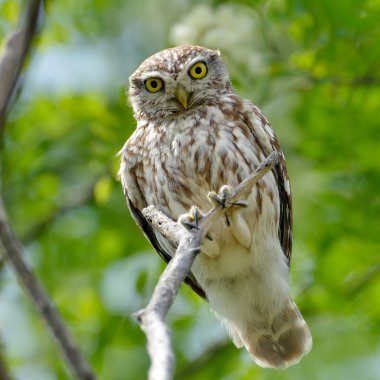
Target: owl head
(177, 81)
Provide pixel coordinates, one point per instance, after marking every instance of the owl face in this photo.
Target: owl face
(177, 81)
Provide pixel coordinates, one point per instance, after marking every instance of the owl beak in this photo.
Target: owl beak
(182, 96)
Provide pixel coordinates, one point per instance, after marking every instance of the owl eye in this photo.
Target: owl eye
(198, 70)
(153, 84)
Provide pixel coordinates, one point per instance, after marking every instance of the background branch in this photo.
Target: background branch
(10, 247)
(15, 52)
(152, 318)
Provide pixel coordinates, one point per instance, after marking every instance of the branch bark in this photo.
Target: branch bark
(152, 317)
(15, 53)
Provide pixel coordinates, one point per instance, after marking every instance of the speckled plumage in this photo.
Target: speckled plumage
(176, 156)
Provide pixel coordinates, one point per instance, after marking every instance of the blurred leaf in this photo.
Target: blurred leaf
(102, 190)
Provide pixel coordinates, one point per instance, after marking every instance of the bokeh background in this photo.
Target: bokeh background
(311, 65)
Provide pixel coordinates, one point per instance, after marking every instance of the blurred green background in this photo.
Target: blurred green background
(311, 65)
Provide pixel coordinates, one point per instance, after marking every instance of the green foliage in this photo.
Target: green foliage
(312, 66)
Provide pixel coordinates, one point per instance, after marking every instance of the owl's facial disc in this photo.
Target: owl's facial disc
(178, 82)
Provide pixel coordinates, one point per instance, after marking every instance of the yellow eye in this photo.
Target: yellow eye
(153, 84)
(198, 70)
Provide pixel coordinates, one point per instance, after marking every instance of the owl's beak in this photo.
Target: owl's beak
(182, 96)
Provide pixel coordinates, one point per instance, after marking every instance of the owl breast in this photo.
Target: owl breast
(201, 153)
(175, 164)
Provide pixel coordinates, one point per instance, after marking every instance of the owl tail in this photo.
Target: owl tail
(282, 341)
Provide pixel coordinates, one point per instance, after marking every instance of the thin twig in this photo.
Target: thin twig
(11, 249)
(152, 318)
(15, 53)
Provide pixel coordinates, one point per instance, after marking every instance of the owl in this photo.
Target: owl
(195, 136)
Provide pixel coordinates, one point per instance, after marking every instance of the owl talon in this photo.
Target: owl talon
(216, 200)
(221, 198)
(188, 225)
(191, 219)
(240, 203)
(233, 219)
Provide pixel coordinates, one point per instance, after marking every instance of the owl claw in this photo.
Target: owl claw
(190, 221)
(233, 219)
(240, 203)
(221, 198)
(189, 225)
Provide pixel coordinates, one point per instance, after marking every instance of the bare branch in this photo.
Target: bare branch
(11, 249)
(167, 227)
(83, 197)
(152, 318)
(14, 55)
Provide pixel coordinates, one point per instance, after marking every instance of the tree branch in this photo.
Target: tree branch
(11, 64)
(11, 249)
(14, 55)
(152, 318)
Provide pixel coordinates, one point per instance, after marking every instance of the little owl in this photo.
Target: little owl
(195, 136)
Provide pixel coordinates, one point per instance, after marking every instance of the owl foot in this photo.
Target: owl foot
(209, 246)
(221, 198)
(191, 219)
(234, 219)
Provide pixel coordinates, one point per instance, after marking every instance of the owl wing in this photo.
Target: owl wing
(268, 142)
(148, 231)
